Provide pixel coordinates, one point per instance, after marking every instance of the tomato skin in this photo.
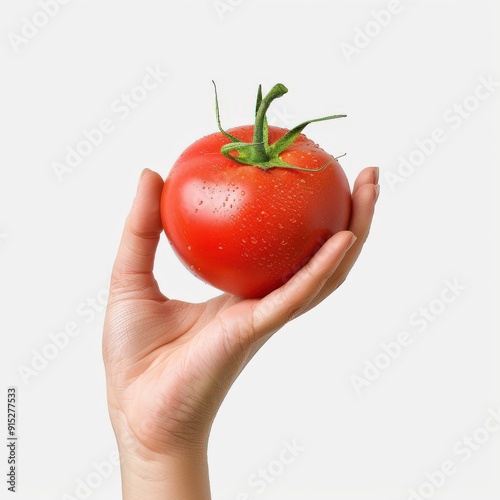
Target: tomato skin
(246, 230)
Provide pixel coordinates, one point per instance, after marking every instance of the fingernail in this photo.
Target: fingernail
(377, 191)
(141, 176)
(352, 241)
(376, 174)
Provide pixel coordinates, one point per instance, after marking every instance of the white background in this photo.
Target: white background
(58, 237)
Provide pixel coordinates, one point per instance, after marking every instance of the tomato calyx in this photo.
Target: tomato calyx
(259, 153)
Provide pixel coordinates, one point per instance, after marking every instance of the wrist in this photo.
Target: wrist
(175, 476)
(178, 469)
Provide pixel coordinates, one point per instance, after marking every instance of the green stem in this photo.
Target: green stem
(259, 153)
(260, 133)
(217, 114)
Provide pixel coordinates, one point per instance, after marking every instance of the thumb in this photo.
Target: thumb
(135, 259)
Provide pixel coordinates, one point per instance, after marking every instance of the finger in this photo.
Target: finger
(142, 231)
(368, 175)
(273, 311)
(363, 208)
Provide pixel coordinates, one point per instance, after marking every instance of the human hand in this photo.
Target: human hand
(169, 364)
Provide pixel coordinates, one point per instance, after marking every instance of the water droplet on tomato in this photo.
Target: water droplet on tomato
(189, 247)
(253, 241)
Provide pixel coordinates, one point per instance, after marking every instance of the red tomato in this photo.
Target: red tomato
(245, 228)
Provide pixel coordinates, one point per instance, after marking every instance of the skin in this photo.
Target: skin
(169, 364)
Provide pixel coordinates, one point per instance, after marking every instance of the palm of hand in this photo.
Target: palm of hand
(161, 378)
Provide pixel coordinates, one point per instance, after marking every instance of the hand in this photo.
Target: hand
(169, 364)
